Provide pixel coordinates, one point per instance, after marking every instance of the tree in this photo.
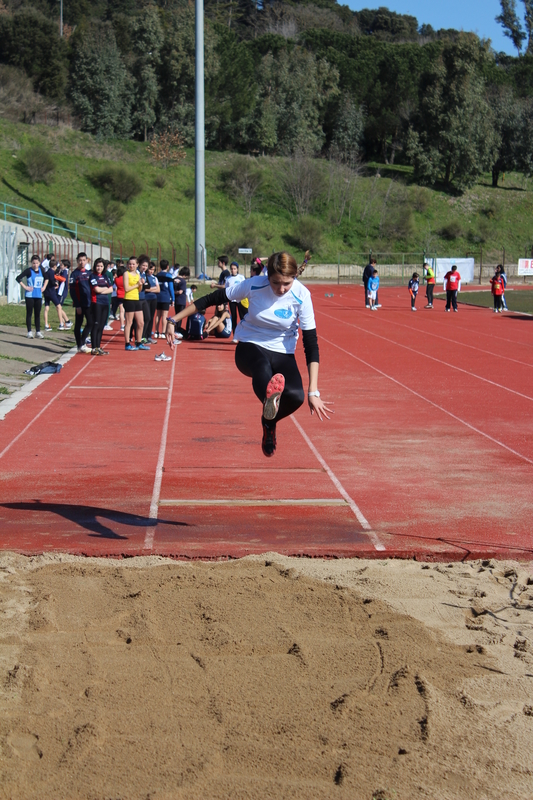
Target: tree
(454, 138)
(349, 128)
(510, 22)
(147, 37)
(295, 88)
(31, 41)
(100, 89)
(508, 122)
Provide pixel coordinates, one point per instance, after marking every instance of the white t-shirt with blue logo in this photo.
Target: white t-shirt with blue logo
(272, 322)
(233, 279)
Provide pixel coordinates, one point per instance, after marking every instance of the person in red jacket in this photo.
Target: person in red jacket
(498, 288)
(452, 284)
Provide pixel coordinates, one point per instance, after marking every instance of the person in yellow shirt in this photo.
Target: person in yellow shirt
(429, 275)
(133, 306)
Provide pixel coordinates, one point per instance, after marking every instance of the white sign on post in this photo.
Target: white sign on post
(525, 266)
(247, 251)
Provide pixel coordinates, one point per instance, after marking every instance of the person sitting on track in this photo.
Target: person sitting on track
(220, 324)
(279, 306)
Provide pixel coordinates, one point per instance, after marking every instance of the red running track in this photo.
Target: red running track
(429, 454)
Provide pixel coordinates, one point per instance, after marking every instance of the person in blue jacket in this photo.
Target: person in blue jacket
(373, 286)
(34, 283)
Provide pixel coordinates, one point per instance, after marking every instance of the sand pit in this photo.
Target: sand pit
(265, 678)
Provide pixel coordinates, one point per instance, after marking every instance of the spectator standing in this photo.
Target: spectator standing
(498, 288)
(504, 279)
(34, 284)
(430, 284)
(372, 290)
(180, 289)
(80, 292)
(101, 289)
(51, 295)
(119, 283)
(414, 285)
(367, 275)
(165, 298)
(234, 279)
(224, 271)
(452, 285)
(132, 306)
(152, 290)
(62, 276)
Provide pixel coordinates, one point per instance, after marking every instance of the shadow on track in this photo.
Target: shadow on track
(86, 517)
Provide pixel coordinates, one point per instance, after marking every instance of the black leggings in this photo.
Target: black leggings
(149, 309)
(260, 365)
(429, 293)
(100, 315)
(233, 311)
(33, 305)
(78, 334)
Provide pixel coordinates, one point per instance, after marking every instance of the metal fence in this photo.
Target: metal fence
(8, 259)
(53, 225)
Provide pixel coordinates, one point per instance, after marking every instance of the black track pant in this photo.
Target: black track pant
(260, 365)
(497, 302)
(451, 299)
(233, 307)
(149, 313)
(80, 335)
(429, 293)
(33, 306)
(100, 315)
(115, 303)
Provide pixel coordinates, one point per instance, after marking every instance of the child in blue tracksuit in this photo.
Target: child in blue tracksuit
(413, 290)
(373, 286)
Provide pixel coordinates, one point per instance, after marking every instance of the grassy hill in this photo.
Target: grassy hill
(389, 213)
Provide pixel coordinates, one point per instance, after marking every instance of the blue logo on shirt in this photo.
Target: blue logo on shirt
(283, 313)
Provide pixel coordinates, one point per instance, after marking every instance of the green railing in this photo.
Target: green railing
(52, 225)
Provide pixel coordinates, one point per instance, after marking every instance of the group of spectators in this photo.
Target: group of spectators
(138, 293)
(451, 284)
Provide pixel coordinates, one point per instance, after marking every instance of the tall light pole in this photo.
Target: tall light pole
(199, 143)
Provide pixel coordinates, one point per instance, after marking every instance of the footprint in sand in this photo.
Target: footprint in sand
(25, 746)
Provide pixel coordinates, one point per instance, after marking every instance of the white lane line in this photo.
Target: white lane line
(432, 358)
(320, 501)
(125, 388)
(431, 403)
(422, 332)
(154, 505)
(342, 491)
(45, 408)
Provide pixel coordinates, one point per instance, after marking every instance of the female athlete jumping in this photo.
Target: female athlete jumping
(279, 306)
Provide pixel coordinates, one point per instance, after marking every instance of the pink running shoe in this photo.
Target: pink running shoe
(274, 389)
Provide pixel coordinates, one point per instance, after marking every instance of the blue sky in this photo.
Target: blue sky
(468, 15)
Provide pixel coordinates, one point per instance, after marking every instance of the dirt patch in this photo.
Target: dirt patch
(264, 678)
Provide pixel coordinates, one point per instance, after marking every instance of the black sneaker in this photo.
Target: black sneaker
(268, 445)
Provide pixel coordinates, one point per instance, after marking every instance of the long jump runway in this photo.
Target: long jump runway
(429, 454)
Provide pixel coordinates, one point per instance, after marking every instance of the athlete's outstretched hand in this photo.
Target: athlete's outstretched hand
(170, 337)
(318, 406)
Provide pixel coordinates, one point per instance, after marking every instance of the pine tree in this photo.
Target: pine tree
(100, 89)
(510, 22)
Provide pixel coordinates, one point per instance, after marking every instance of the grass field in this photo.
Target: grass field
(389, 213)
(521, 301)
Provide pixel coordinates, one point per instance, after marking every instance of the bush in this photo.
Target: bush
(160, 181)
(308, 234)
(451, 231)
(420, 199)
(39, 165)
(242, 180)
(399, 224)
(112, 211)
(120, 183)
